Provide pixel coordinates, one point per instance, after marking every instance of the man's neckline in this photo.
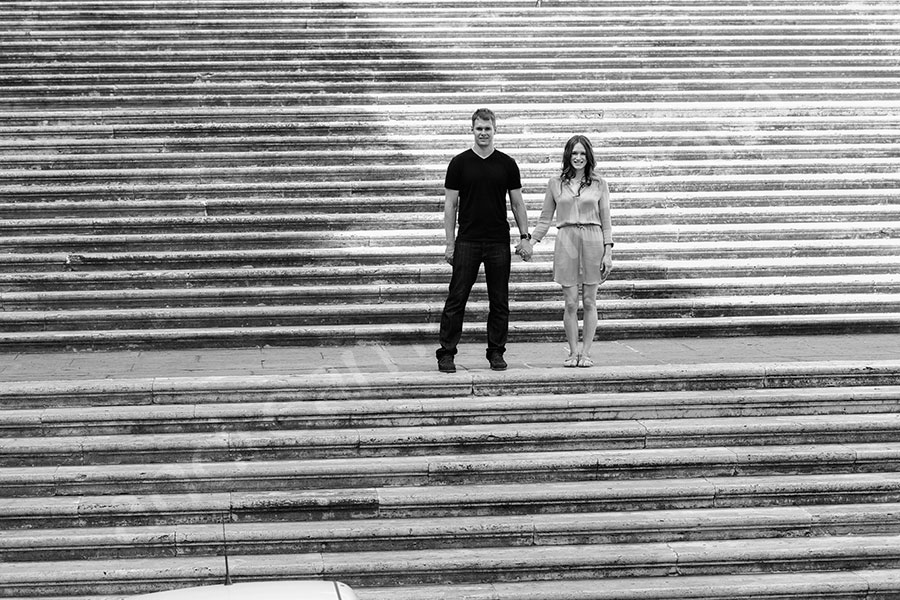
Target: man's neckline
(483, 157)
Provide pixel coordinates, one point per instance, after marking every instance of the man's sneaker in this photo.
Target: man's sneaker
(446, 364)
(497, 362)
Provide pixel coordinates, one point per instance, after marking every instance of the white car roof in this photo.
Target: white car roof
(271, 590)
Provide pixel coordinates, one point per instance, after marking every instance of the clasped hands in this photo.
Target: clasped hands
(525, 249)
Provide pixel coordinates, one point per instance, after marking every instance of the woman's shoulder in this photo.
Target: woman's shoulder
(600, 181)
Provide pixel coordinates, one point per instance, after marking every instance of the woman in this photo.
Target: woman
(582, 255)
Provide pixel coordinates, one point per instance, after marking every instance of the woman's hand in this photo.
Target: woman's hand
(525, 249)
(606, 264)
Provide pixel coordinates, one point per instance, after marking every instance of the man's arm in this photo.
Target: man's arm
(451, 205)
(519, 210)
(520, 214)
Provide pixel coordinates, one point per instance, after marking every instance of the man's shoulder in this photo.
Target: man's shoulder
(463, 155)
(501, 155)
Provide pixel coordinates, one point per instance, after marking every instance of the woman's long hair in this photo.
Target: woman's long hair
(568, 172)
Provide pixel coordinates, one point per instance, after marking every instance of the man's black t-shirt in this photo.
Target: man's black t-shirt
(483, 184)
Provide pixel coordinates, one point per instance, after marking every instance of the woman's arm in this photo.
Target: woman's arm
(543, 224)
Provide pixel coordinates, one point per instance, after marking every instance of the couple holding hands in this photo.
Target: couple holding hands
(475, 189)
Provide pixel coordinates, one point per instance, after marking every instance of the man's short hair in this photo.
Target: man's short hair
(485, 114)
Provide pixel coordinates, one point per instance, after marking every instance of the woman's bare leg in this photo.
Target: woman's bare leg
(589, 298)
(570, 317)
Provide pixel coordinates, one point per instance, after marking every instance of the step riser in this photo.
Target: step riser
(376, 239)
(510, 532)
(211, 478)
(427, 316)
(646, 279)
(473, 385)
(60, 272)
(421, 227)
(537, 331)
(214, 299)
(296, 449)
(761, 254)
(404, 569)
(400, 503)
(133, 417)
(734, 177)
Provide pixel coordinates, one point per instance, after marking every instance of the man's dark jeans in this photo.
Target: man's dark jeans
(467, 258)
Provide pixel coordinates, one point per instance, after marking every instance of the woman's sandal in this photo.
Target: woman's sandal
(572, 361)
(585, 361)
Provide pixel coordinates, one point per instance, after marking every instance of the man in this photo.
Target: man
(475, 188)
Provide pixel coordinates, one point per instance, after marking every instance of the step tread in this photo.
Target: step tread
(506, 530)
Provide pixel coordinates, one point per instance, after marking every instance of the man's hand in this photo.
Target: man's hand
(448, 254)
(525, 249)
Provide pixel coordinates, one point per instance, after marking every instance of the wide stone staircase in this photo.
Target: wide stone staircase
(246, 173)
(758, 481)
(235, 173)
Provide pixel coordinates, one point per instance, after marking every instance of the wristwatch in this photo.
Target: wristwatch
(525, 236)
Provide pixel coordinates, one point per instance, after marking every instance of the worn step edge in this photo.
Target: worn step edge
(553, 466)
(466, 566)
(843, 585)
(805, 249)
(511, 498)
(649, 272)
(450, 532)
(189, 337)
(475, 383)
(433, 440)
(371, 222)
(74, 415)
(526, 309)
(95, 319)
(197, 297)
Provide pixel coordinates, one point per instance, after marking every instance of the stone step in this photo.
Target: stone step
(843, 585)
(625, 496)
(384, 9)
(811, 94)
(734, 27)
(361, 246)
(507, 531)
(52, 148)
(613, 155)
(417, 567)
(406, 32)
(830, 255)
(722, 83)
(61, 272)
(181, 78)
(522, 123)
(329, 335)
(774, 112)
(346, 316)
(534, 467)
(354, 295)
(70, 417)
(809, 181)
(439, 440)
(421, 223)
(418, 385)
(830, 203)
(535, 174)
